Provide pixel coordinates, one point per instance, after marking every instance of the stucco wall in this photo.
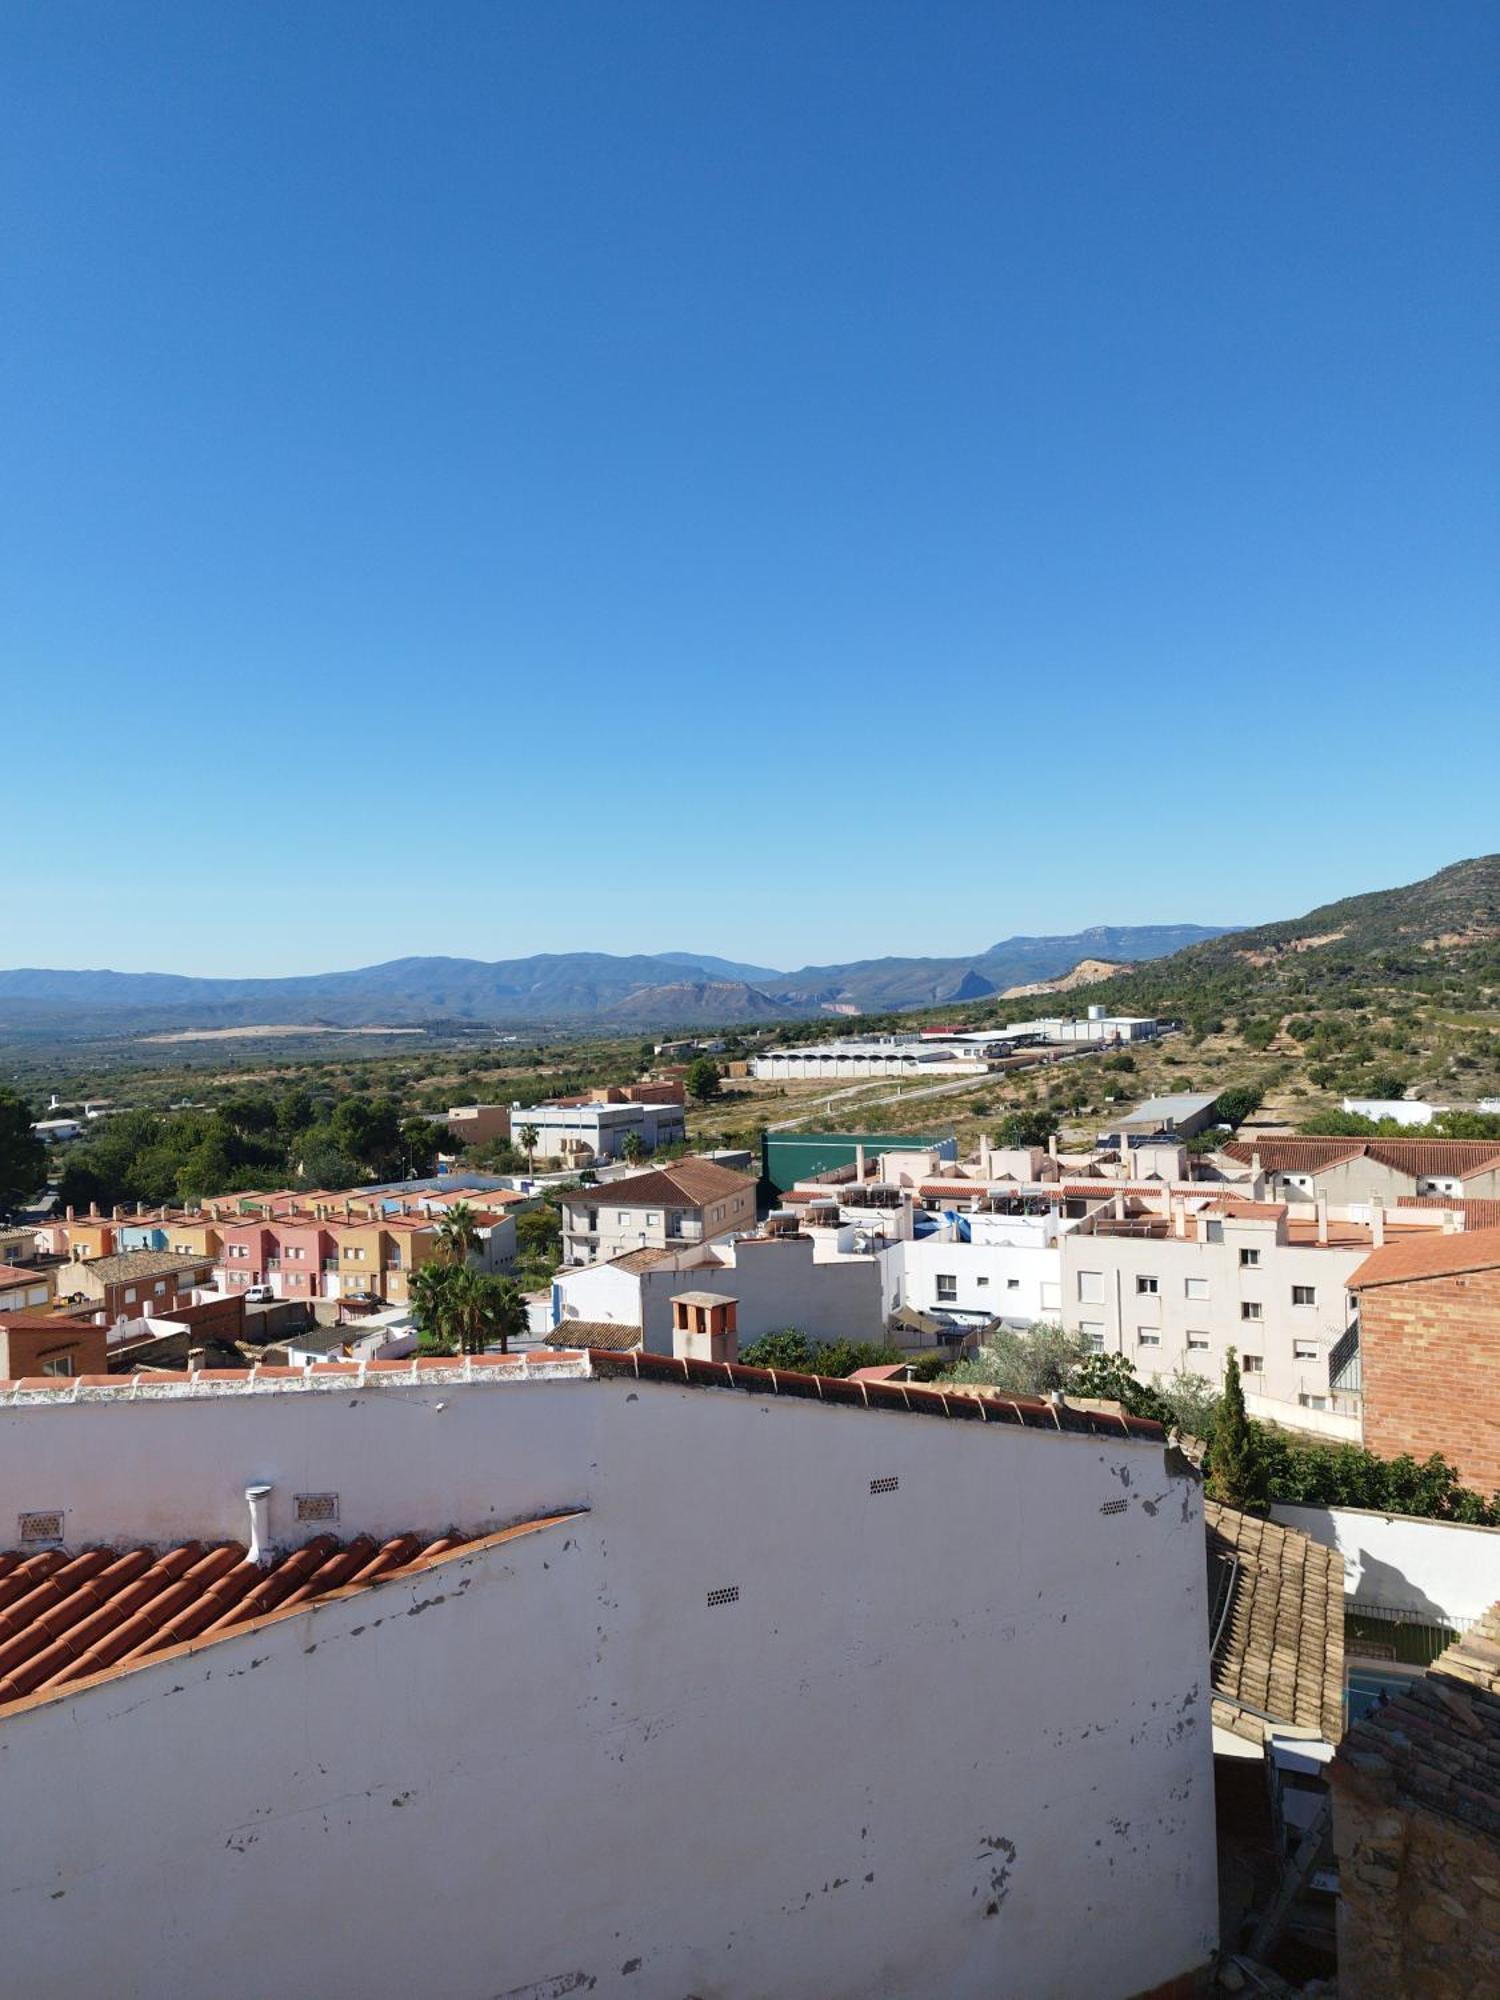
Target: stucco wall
(1441, 1571)
(951, 1739)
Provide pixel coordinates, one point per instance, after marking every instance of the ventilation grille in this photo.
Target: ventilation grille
(889, 1484)
(730, 1594)
(1113, 1507)
(317, 1506)
(45, 1525)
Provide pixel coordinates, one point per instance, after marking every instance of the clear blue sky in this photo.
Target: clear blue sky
(488, 478)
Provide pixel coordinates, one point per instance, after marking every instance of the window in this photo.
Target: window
(1249, 1259)
(1304, 1350)
(1304, 1295)
(60, 1364)
(130, 1295)
(1091, 1331)
(653, 1217)
(1011, 1284)
(1250, 1309)
(947, 1287)
(1147, 1336)
(1251, 1364)
(160, 1287)
(1313, 1402)
(983, 1282)
(1215, 1232)
(1091, 1288)
(1150, 1286)
(1198, 1342)
(1195, 1288)
(622, 1216)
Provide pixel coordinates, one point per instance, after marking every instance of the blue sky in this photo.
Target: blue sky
(797, 481)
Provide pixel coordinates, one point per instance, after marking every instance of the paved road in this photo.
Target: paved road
(949, 1088)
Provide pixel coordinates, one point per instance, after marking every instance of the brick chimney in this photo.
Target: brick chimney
(705, 1327)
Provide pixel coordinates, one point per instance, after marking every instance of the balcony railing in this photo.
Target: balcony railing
(1343, 1363)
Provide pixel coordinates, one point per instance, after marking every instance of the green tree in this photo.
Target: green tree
(703, 1080)
(23, 1156)
(528, 1136)
(458, 1233)
(473, 1310)
(1033, 1363)
(1237, 1469)
(1024, 1129)
(1239, 1102)
(633, 1149)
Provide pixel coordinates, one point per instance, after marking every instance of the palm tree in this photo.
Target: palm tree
(429, 1296)
(481, 1309)
(458, 1233)
(633, 1150)
(528, 1135)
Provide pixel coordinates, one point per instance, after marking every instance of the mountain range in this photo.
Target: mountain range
(571, 988)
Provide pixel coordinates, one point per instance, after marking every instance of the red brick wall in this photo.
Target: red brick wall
(1430, 1368)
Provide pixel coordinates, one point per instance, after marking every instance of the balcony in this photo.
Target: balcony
(1343, 1363)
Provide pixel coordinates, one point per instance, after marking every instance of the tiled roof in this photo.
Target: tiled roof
(12, 1274)
(617, 1336)
(142, 1264)
(684, 1184)
(67, 1618)
(1457, 1158)
(1280, 1649)
(1477, 1212)
(1437, 1743)
(640, 1260)
(572, 1364)
(1428, 1254)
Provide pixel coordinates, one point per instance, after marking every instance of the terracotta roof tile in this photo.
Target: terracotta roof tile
(1437, 1743)
(1281, 1647)
(616, 1336)
(1421, 1158)
(66, 1618)
(686, 1183)
(1428, 1254)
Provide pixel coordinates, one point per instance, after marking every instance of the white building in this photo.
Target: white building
(579, 1134)
(832, 1283)
(870, 1055)
(1399, 1110)
(795, 1696)
(1177, 1290)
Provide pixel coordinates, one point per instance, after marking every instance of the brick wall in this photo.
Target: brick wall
(1419, 1898)
(1430, 1359)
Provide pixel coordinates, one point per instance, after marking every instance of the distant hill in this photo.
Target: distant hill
(1441, 934)
(555, 987)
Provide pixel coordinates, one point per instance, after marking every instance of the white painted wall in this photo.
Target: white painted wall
(1401, 1110)
(1017, 1280)
(952, 1739)
(1394, 1562)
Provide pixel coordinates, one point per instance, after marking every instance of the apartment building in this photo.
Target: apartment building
(755, 1614)
(585, 1131)
(666, 1208)
(1172, 1287)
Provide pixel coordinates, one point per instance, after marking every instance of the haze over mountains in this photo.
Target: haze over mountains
(569, 987)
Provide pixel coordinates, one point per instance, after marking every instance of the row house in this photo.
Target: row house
(309, 1256)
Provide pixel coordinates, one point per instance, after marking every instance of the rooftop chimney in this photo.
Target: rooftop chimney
(69, 1215)
(705, 1327)
(1453, 1222)
(859, 1165)
(258, 1500)
(1322, 1213)
(196, 1356)
(1377, 1224)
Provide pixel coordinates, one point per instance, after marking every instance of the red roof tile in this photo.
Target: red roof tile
(65, 1619)
(1429, 1254)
